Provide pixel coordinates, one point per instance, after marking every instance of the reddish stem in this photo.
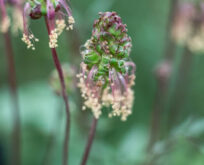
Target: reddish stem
(65, 97)
(156, 114)
(13, 90)
(89, 142)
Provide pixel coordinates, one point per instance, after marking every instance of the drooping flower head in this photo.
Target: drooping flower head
(107, 73)
(16, 20)
(188, 27)
(55, 11)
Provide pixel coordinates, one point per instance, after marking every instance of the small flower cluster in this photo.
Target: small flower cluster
(60, 25)
(53, 11)
(28, 40)
(16, 21)
(107, 74)
(188, 27)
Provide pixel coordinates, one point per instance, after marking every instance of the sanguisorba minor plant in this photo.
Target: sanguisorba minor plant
(55, 12)
(107, 73)
(16, 24)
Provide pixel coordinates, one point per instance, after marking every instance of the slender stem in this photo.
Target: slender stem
(180, 88)
(163, 83)
(89, 142)
(170, 44)
(65, 97)
(156, 115)
(182, 79)
(13, 90)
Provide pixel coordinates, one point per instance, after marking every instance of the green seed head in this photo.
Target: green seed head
(109, 46)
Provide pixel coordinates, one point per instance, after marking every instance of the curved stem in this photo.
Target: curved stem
(13, 88)
(65, 97)
(89, 142)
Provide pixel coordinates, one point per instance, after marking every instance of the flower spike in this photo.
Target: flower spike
(107, 73)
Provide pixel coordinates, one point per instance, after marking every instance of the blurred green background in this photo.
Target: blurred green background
(116, 142)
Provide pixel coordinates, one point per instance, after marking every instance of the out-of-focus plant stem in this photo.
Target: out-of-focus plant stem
(65, 97)
(16, 150)
(89, 142)
(181, 84)
(163, 80)
(170, 44)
